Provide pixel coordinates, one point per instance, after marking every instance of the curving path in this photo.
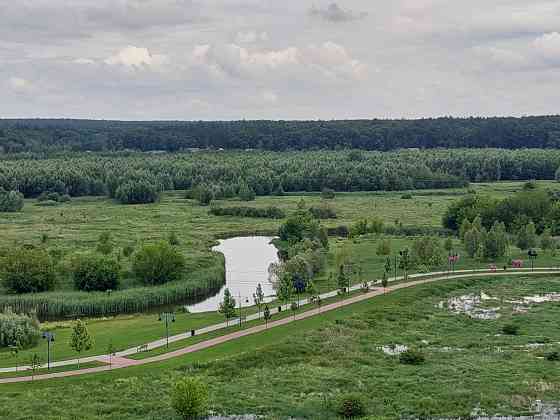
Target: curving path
(120, 360)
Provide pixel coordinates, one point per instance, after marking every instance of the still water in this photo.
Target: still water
(247, 262)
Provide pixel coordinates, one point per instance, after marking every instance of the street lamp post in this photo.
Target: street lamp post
(50, 339)
(532, 256)
(167, 318)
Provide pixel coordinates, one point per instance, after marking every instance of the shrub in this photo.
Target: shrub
(190, 398)
(327, 194)
(246, 193)
(350, 406)
(28, 271)
(553, 356)
(18, 330)
(10, 201)
(47, 203)
(510, 329)
(137, 192)
(384, 247)
(95, 273)
(411, 357)
(203, 194)
(406, 196)
(158, 263)
(128, 250)
(323, 212)
(173, 239)
(268, 212)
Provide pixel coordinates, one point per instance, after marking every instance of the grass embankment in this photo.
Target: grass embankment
(300, 369)
(133, 330)
(28, 372)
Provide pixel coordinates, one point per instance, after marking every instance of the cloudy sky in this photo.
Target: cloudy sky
(278, 59)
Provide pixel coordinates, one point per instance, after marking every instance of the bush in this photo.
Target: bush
(95, 273)
(128, 250)
(384, 247)
(246, 193)
(190, 398)
(411, 357)
(10, 201)
(158, 263)
(553, 356)
(269, 212)
(510, 329)
(406, 196)
(137, 192)
(203, 194)
(18, 330)
(28, 271)
(350, 406)
(327, 194)
(323, 212)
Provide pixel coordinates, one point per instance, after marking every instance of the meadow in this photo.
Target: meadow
(77, 225)
(299, 370)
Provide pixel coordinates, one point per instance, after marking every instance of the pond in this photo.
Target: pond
(247, 262)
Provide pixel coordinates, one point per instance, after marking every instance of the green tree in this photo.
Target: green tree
(203, 194)
(384, 247)
(190, 398)
(448, 244)
(80, 340)
(92, 272)
(465, 227)
(258, 298)
(28, 270)
(227, 306)
(10, 201)
(527, 236)
(105, 244)
(34, 364)
(384, 280)
(342, 280)
(388, 265)
(246, 193)
(266, 315)
(471, 242)
(158, 263)
(548, 244)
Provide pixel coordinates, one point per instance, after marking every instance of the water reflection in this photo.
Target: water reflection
(247, 262)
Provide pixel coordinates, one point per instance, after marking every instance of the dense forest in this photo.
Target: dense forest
(40, 135)
(139, 177)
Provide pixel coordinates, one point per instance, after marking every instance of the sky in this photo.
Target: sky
(278, 59)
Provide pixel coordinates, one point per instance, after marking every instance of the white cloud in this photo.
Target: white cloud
(135, 57)
(85, 61)
(19, 84)
(250, 37)
(269, 97)
(334, 13)
(329, 60)
(548, 46)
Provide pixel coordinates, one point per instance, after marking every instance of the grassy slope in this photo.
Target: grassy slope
(299, 369)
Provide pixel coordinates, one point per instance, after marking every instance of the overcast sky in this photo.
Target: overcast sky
(278, 59)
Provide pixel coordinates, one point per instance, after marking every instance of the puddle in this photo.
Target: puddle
(393, 349)
(470, 306)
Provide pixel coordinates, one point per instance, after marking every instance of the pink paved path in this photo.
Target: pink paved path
(122, 362)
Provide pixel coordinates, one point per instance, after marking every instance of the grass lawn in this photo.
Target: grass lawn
(300, 369)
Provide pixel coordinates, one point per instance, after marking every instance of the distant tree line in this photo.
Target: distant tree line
(140, 178)
(37, 135)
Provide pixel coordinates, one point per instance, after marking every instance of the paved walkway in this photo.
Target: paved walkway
(120, 360)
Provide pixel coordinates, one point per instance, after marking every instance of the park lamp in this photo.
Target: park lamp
(167, 317)
(50, 339)
(532, 254)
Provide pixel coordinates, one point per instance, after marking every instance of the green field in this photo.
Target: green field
(300, 369)
(77, 225)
